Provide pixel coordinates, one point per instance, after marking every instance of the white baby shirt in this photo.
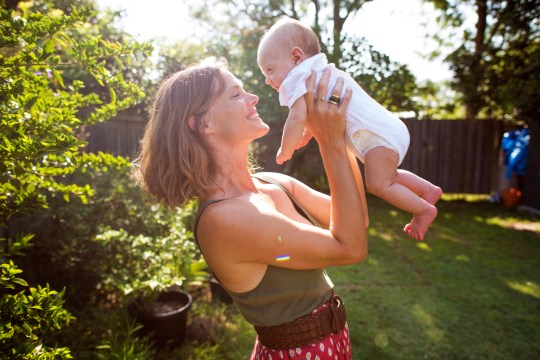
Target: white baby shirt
(364, 113)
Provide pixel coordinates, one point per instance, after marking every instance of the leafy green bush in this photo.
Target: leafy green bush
(26, 316)
(42, 111)
(116, 242)
(113, 248)
(140, 264)
(64, 251)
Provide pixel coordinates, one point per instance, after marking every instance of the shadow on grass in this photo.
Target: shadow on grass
(469, 291)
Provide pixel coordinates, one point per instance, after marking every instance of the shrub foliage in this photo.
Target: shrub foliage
(42, 112)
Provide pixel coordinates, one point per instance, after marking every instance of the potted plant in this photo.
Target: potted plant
(153, 272)
(163, 312)
(163, 317)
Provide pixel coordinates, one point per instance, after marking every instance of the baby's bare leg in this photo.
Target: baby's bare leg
(419, 186)
(381, 180)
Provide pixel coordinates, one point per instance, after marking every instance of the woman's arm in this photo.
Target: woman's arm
(243, 235)
(326, 122)
(317, 203)
(360, 184)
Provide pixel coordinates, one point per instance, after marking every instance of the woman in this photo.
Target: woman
(266, 237)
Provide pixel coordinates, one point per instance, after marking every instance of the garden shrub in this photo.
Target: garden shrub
(27, 315)
(116, 242)
(42, 111)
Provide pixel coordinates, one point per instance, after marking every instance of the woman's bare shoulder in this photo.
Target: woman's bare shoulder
(295, 187)
(284, 180)
(230, 215)
(225, 209)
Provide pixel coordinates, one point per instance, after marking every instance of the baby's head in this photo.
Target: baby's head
(284, 46)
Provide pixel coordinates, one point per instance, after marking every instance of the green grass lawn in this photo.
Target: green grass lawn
(471, 290)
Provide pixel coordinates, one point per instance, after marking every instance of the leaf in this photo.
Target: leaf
(19, 281)
(31, 188)
(198, 266)
(58, 78)
(7, 334)
(113, 95)
(9, 147)
(49, 46)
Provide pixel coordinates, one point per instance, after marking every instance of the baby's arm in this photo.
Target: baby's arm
(293, 130)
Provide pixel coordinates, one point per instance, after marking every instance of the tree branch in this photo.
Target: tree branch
(337, 28)
(317, 25)
(293, 9)
(481, 24)
(353, 7)
(500, 21)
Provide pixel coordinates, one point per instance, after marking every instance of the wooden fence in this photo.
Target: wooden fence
(459, 156)
(119, 136)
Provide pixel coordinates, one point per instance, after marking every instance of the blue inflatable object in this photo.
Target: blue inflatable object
(515, 145)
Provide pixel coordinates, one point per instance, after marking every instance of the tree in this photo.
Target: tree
(496, 64)
(42, 110)
(238, 30)
(243, 23)
(438, 101)
(176, 56)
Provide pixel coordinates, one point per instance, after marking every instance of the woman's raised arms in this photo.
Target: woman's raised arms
(243, 235)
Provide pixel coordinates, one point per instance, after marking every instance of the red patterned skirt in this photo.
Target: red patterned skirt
(333, 347)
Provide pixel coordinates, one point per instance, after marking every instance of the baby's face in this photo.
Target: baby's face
(274, 62)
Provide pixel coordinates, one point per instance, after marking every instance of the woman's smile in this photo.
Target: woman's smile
(253, 116)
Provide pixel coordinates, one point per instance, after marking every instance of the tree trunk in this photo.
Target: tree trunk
(337, 28)
(531, 190)
(476, 75)
(481, 11)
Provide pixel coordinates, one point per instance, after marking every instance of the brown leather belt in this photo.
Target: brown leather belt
(307, 329)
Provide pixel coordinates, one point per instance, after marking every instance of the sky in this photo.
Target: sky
(393, 27)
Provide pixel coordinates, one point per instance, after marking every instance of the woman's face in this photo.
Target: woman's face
(233, 116)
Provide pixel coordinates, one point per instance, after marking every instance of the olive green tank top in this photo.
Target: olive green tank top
(283, 294)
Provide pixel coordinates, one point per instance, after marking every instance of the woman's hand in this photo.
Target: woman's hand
(326, 120)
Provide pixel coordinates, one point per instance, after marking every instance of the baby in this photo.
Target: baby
(287, 54)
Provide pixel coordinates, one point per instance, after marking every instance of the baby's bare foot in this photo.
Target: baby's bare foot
(420, 223)
(432, 195)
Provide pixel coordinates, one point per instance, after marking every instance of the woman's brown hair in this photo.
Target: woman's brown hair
(175, 163)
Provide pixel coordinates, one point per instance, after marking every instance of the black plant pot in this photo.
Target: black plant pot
(218, 292)
(164, 320)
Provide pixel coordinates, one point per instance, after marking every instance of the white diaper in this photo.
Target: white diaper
(365, 140)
